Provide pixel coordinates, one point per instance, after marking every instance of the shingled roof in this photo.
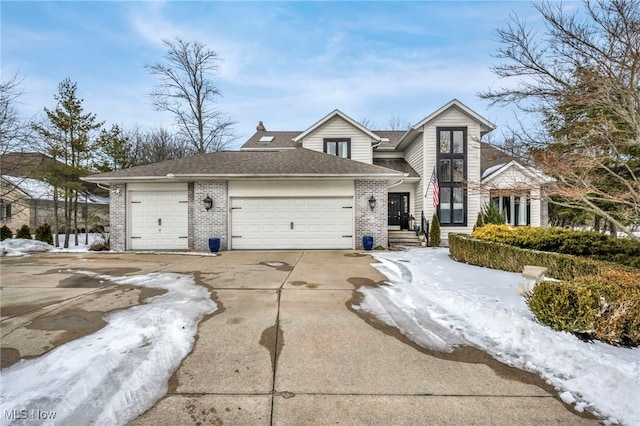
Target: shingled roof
(281, 140)
(298, 162)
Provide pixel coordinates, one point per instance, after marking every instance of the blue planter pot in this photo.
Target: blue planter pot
(214, 245)
(367, 242)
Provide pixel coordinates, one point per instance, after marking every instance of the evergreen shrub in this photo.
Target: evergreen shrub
(624, 251)
(43, 233)
(594, 298)
(24, 232)
(434, 232)
(5, 233)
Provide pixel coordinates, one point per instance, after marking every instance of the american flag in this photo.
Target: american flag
(436, 188)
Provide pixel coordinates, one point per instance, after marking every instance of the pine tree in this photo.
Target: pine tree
(67, 140)
(492, 214)
(5, 233)
(479, 221)
(24, 232)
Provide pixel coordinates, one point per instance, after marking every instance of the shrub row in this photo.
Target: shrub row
(601, 306)
(595, 298)
(513, 259)
(590, 244)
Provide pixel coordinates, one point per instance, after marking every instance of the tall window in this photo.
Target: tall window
(452, 173)
(338, 147)
(5, 210)
(515, 206)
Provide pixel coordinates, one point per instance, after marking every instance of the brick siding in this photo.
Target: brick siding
(371, 223)
(118, 216)
(205, 224)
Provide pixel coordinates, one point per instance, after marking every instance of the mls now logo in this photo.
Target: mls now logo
(29, 414)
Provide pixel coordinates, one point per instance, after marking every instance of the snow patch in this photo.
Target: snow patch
(439, 303)
(115, 374)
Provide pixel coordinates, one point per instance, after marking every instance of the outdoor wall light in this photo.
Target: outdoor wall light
(208, 203)
(372, 203)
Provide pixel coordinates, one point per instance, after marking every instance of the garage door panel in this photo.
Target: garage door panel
(319, 223)
(159, 220)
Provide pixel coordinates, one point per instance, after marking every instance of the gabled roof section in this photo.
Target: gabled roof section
(454, 103)
(399, 164)
(281, 140)
(529, 171)
(290, 163)
(337, 113)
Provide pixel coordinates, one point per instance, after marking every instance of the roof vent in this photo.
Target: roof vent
(266, 139)
(260, 127)
(385, 140)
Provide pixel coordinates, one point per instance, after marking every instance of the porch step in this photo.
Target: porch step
(403, 238)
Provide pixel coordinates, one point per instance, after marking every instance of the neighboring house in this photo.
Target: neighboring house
(28, 201)
(322, 188)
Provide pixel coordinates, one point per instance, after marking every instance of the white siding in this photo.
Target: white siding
(337, 127)
(514, 179)
(414, 155)
(453, 117)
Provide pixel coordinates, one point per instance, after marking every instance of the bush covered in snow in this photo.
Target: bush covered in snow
(567, 241)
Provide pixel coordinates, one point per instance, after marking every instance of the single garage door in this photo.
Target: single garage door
(159, 220)
(292, 223)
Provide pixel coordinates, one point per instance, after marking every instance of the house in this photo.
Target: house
(325, 187)
(26, 200)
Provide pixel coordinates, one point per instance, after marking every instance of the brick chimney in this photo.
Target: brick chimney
(260, 127)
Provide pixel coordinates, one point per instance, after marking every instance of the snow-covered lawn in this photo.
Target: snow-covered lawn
(20, 246)
(439, 304)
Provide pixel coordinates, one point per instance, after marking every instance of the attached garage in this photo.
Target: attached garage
(159, 220)
(292, 223)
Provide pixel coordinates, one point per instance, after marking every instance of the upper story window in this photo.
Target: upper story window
(5, 210)
(338, 147)
(452, 174)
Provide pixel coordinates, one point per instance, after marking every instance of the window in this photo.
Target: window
(5, 210)
(338, 147)
(452, 174)
(516, 207)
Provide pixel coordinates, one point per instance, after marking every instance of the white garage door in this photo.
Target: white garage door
(292, 223)
(159, 220)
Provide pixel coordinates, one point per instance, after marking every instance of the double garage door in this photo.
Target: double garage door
(159, 220)
(291, 223)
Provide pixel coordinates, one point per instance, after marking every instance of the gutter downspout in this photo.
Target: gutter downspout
(100, 186)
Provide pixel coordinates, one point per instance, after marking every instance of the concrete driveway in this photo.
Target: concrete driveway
(286, 346)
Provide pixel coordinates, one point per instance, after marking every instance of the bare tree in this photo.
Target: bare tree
(367, 122)
(15, 132)
(582, 82)
(189, 91)
(158, 145)
(395, 122)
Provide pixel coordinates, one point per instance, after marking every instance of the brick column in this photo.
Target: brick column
(371, 223)
(118, 216)
(205, 224)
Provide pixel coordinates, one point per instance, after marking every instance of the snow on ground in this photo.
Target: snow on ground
(21, 246)
(439, 304)
(115, 374)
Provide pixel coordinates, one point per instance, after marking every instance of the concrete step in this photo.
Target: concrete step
(405, 238)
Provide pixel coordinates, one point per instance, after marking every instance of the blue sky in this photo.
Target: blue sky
(285, 63)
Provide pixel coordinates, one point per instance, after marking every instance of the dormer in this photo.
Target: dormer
(340, 135)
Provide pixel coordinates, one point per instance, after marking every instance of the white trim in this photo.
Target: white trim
(538, 177)
(342, 115)
(456, 103)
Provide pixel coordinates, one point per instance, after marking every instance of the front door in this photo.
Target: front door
(398, 210)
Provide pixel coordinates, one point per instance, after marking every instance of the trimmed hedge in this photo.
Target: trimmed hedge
(624, 251)
(595, 298)
(513, 259)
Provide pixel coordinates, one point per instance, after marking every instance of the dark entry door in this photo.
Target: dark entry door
(399, 209)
